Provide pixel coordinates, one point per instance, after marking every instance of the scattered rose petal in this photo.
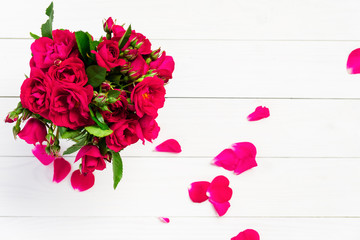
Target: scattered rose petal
(197, 191)
(219, 190)
(220, 208)
(248, 234)
(226, 159)
(259, 113)
(82, 182)
(40, 153)
(164, 219)
(353, 62)
(170, 145)
(246, 153)
(61, 169)
(239, 158)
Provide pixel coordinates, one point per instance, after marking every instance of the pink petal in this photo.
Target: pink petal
(246, 153)
(164, 219)
(82, 182)
(226, 159)
(61, 169)
(248, 234)
(220, 208)
(83, 151)
(40, 153)
(353, 62)
(170, 145)
(197, 191)
(219, 190)
(259, 113)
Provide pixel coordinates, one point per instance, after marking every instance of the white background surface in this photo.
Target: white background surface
(231, 56)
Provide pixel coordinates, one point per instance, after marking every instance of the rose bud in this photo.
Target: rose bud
(164, 67)
(138, 68)
(11, 117)
(105, 86)
(131, 54)
(34, 131)
(108, 25)
(91, 159)
(50, 138)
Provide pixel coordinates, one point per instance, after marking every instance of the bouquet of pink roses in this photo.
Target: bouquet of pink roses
(103, 95)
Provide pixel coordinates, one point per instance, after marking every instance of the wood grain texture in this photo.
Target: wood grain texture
(232, 69)
(188, 19)
(204, 127)
(158, 187)
(94, 228)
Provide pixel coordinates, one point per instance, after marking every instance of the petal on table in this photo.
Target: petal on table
(197, 191)
(61, 169)
(40, 153)
(82, 182)
(170, 145)
(259, 113)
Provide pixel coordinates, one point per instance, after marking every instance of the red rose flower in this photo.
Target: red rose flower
(34, 131)
(118, 110)
(107, 55)
(108, 25)
(69, 71)
(69, 105)
(91, 159)
(148, 96)
(145, 47)
(124, 134)
(47, 51)
(149, 129)
(35, 93)
(164, 66)
(138, 68)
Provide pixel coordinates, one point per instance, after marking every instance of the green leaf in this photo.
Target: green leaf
(96, 75)
(83, 43)
(113, 94)
(125, 38)
(74, 148)
(117, 168)
(100, 124)
(115, 78)
(34, 36)
(100, 117)
(70, 134)
(98, 132)
(46, 28)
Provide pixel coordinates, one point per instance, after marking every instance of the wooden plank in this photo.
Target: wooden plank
(230, 69)
(204, 127)
(158, 187)
(179, 228)
(257, 19)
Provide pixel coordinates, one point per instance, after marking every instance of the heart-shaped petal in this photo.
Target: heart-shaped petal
(220, 208)
(197, 191)
(248, 234)
(61, 169)
(82, 182)
(164, 219)
(353, 62)
(219, 190)
(259, 113)
(40, 153)
(246, 153)
(170, 145)
(226, 159)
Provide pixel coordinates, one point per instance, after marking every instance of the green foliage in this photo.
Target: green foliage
(96, 75)
(83, 43)
(100, 122)
(34, 36)
(46, 28)
(113, 94)
(98, 132)
(125, 38)
(117, 168)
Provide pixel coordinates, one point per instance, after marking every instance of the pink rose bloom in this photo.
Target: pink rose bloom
(118, 31)
(69, 105)
(46, 52)
(33, 132)
(138, 68)
(148, 96)
(164, 66)
(124, 134)
(118, 110)
(149, 129)
(35, 93)
(69, 71)
(107, 55)
(91, 159)
(145, 48)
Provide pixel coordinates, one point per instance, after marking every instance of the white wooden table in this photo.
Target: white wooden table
(231, 56)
